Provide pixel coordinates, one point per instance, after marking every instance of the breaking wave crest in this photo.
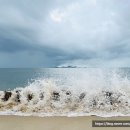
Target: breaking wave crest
(46, 98)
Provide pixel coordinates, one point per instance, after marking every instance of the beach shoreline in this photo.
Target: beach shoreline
(55, 123)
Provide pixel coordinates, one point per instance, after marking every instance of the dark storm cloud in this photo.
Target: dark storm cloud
(62, 32)
(11, 46)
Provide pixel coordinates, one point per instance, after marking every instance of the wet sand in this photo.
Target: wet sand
(55, 123)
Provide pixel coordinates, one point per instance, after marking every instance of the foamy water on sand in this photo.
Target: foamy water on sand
(71, 92)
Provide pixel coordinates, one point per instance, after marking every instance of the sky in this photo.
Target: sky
(49, 33)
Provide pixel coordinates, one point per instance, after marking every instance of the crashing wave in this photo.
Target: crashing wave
(45, 98)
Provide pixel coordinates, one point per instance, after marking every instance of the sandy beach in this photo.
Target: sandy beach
(55, 123)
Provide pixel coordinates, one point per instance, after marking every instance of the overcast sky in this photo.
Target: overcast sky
(48, 33)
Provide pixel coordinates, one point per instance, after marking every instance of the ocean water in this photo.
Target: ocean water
(65, 92)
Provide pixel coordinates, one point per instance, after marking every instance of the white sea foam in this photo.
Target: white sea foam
(90, 94)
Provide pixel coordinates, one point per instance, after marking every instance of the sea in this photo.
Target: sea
(68, 92)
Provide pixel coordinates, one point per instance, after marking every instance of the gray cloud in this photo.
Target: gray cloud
(49, 33)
